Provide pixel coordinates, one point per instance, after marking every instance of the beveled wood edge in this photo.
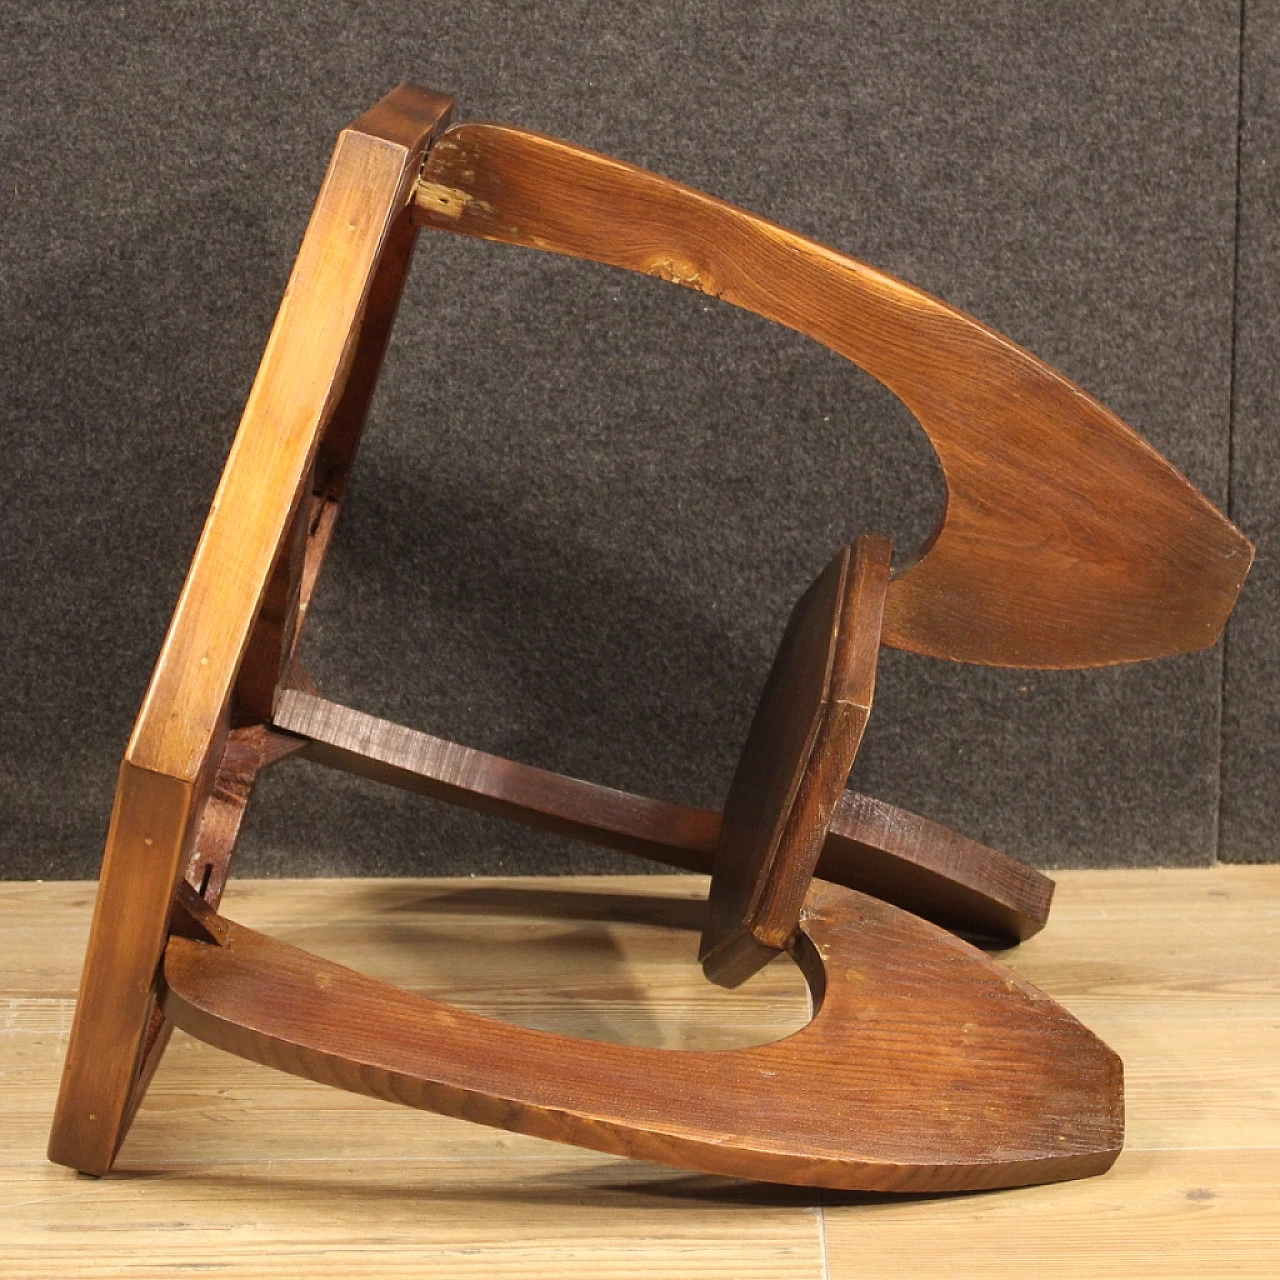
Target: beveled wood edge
(274, 1004)
(169, 766)
(946, 877)
(368, 187)
(748, 922)
(871, 846)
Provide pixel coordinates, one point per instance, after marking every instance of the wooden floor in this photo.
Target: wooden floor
(234, 1170)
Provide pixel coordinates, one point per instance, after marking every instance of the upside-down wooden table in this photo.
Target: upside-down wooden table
(1067, 542)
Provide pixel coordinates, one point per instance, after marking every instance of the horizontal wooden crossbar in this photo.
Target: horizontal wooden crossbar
(872, 846)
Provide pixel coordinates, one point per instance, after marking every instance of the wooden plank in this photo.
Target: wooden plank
(1201, 935)
(793, 769)
(169, 763)
(942, 1073)
(871, 846)
(1204, 1085)
(299, 383)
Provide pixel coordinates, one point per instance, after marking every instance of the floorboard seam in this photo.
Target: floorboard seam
(821, 1213)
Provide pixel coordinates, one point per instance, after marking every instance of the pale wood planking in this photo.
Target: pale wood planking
(463, 1215)
(248, 1172)
(1194, 1214)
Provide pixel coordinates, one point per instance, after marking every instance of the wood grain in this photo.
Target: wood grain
(792, 771)
(274, 632)
(1067, 540)
(299, 383)
(939, 1069)
(872, 846)
(169, 765)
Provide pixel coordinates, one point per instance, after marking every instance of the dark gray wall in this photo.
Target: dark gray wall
(586, 500)
(1251, 722)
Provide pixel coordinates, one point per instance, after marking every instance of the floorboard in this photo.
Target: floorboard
(239, 1171)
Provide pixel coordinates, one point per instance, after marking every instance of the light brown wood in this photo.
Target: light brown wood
(299, 384)
(167, 774)
(1180, 970)
(871, 846)
(1067, 540)
(939, 874)
(793, 769)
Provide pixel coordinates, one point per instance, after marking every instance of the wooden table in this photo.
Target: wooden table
(241, 1171)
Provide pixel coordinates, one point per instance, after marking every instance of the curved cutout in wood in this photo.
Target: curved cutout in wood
(1067, 540)
(927, 1066)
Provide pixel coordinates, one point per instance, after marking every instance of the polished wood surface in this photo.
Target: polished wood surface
(926, 1067)
(239, 1171)
(871, 846)
(299, 383)
(168, 771)
(793, 769)
(1067, 540)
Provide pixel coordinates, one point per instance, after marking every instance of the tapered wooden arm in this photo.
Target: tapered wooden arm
(1067, 540)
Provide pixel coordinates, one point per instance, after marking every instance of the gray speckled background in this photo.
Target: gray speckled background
(586, 500)
(1251, 712)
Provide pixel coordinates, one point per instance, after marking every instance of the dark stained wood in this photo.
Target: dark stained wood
(871, 846)
(927, 868)
(194, 918)
(1067, 540)
(927, 1066)
(793, 769)
(170, 764)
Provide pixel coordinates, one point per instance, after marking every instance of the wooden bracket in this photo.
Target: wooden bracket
(792, 772)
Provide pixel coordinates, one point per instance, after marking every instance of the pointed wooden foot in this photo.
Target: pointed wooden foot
(927, 1066)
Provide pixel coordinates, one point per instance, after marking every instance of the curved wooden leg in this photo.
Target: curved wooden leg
(927, 1066)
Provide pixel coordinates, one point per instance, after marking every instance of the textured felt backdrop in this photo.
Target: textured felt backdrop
(1251, 722)
(586, 500)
